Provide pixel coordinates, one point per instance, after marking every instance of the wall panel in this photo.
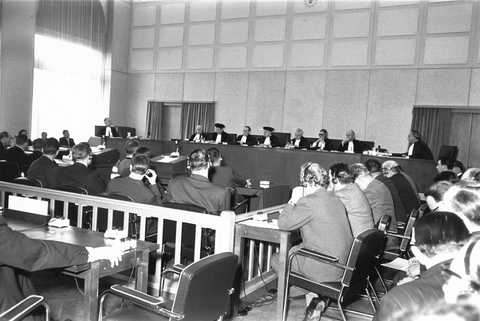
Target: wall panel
(199, 86)
(231, 97)
(140, 91)
(443, 87)
(168, 87)
(266, 92)
(304, 98)
(346, 94)
(392, 95)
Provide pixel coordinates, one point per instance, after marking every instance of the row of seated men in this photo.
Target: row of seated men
(22, 151)
(206, 186)
(416, 147)
(327, 211)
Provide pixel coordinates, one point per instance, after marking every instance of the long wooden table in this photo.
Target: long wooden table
(90, 272)
(279, 165)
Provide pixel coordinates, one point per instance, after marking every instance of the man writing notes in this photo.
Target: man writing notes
(417, 148)
(246, 139)
(110, 130)
(198, 136)
(221, 135)
(322, 143)
(350, 144)
(299, 142)
(268, 140)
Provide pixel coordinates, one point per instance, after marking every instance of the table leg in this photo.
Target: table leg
(141, 282)
(91, 291)
(282, 265)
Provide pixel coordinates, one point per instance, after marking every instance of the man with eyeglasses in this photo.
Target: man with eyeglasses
(436, 239)
(322, 143)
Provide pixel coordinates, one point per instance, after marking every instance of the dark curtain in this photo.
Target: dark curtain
(154, 120)
(434, 126)
(194, 114)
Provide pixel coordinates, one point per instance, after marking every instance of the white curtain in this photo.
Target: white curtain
(69, 76)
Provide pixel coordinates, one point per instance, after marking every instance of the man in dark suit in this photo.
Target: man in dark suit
(268, 140)
(323, 223)
(221, 174)
(407, 193)
(375, 169)
(221, 136)
(133, 184)
(79, 174)
(37, 145)
(16, 154)
(418, 148)
(299, 142)
(4, 143)
(322, 143)
(66, 141)
(19, 254)
(45, 169)
(109, 130)
(436, 239)
(246, 139)
(198, 136)
(350, 144)
(25, 132)
(196, 189)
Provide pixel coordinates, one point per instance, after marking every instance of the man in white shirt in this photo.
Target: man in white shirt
(418, 148)
(198, 136)
(246, 139)
(350, 144)
(222, 136)
(299, 142)
(268, 139)
(110, 130)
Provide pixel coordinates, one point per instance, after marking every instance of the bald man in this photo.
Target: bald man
(350, 144)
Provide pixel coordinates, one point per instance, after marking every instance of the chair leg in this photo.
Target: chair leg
(382, 281)
(340, 308)
(374, 293)
(100, 306)
(367, 291)
(47, 311)
(285, 298)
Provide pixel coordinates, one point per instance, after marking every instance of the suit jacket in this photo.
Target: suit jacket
(273, 139)
(400, 213)
(198, 190)
(18, 253)
(358, 147)
(421, 151)
(35, 155)
(358, 210)
(381, 202)
(192, 137)
(303, 143)
(407, 195)
(225, 137)
(79, 175)
(114, 131)
(328, 145)
(225, 176)
(136, 189)
(64, 143)
(3, 150)
(45, 170)
(414, 295)
(251, 140)
(324, 227)
(16, 155)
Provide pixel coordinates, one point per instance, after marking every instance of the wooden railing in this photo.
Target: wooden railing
(261, 241)
(116, 210)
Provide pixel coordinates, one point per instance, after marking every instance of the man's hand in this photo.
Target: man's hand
(151, 177)
(110, 253)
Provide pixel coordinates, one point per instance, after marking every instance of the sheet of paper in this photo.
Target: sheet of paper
(397, 264)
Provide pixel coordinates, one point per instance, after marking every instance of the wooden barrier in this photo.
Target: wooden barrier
(223, 225)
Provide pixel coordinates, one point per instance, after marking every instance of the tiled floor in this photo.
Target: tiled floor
(66, 301)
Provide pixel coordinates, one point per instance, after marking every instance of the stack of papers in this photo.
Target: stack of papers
(398, 264)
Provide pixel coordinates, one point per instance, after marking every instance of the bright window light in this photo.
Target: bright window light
(68, 91)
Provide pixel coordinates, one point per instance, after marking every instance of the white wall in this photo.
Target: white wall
(338, 65)
(18, 29)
